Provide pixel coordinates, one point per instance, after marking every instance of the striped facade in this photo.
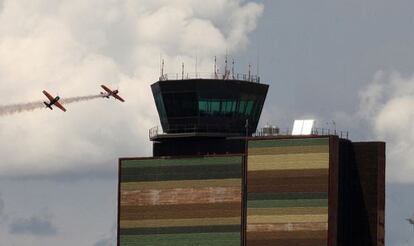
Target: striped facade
(296, 191)
(287, 192)
(180, 201)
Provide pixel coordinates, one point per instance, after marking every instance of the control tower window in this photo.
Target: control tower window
(218, 107)
(180, 104)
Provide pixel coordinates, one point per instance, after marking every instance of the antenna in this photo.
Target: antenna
(250, 68)
(258, 62)
(160, 65)
(182, 71)
(232, 69)
(225, 67)
(162, 69)
(196, 67)
(215, 67)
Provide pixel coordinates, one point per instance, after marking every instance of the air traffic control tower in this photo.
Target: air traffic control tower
(213, 181)
(206, 116)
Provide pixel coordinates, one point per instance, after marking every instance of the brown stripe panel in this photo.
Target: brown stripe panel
(272, 219)
(288, 188)
(277, 174)
(179, 222)
(291, 238)
(288, 181)
(160, 185)
(287, 210)
(315, 226)
(180, 211)
(180, 230)
(181, 196)
(288, 242)
(292, 235)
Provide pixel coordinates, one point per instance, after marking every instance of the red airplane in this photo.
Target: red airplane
(110, 92)
(53, 101)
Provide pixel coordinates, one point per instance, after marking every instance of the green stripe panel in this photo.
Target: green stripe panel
(287, 196)
(181, 173)
(180, 230)
(181, 169)
(287, 203)
(189, 239)
(180, 162)
(288, 142)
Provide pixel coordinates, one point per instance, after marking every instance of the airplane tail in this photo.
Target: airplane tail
(48, 105)
(104, 94)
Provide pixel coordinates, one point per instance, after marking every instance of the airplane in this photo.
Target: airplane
(110, 92)
(53, 101)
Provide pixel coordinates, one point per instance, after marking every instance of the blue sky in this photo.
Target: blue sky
(343, 61)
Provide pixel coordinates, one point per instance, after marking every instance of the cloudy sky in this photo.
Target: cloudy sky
(345, 61)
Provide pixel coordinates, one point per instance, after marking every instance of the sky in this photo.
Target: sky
(344, 61)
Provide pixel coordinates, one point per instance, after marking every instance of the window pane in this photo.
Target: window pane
(202, 106)
(215, 106)
(242, 106)
(249, 107)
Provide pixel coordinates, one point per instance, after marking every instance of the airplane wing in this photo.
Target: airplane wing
(118, 97)
(106, 89)
(57, 104)
(48, 95)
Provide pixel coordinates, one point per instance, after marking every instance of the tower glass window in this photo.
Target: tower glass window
(202, 105)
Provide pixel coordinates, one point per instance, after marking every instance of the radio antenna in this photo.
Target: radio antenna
(162, 68)
(182, 70)
(196, 61)
(250, 68)
(225, 68)
(215, 67)
(232, 69)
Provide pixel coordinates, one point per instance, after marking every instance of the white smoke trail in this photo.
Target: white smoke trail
(24, 107)
(79, 99)
(21, 107)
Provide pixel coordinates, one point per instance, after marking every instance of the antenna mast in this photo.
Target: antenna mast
(225, 68)
(232, 69)
(182, 70)
(215, 67)
(196, 74)
(162, 69)
(258, 63)
(250, 68)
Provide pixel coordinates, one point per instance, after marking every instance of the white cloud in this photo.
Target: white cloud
(387, 103)
(71, 47)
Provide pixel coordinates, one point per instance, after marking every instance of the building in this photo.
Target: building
(212, 182)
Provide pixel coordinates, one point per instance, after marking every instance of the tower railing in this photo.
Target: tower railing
(212, 129)
(263, 132)
(222, 76)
